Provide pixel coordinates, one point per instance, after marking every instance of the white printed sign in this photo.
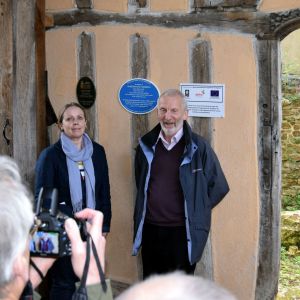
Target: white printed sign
(204, 99)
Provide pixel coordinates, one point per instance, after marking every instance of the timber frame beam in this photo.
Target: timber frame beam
(263, 25)
(241, 21)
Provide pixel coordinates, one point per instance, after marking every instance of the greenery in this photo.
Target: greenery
(290, 68)
(289, 278)
(292, 97)
(289, 281)
(290, 203)
(289, 88)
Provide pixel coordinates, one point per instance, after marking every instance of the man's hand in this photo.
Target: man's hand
(44, 264)
(94, 227)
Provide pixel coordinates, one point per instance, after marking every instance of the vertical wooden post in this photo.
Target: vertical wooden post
(86, 68)
(197, 4)
(41, 127)
(24, 87)
(139, 123)
(200, 63)
(6, 65)
(269, 151)
(139, 69)
(201, 73)
(142, 3)
(84, 4)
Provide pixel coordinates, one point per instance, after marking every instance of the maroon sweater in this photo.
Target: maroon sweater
(165, 204)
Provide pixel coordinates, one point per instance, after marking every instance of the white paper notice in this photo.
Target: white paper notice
(204, 100)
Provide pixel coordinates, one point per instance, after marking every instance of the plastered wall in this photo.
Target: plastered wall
(104, 5)
(121, 5)
(236, 220)
(278, 5)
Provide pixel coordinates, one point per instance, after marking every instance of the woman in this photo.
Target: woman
(77, 168)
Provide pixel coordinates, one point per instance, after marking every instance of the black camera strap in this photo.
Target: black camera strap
(81, 292)
(27, 293)
(36, 268)
(100, 270)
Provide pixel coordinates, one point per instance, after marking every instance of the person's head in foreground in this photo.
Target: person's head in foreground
(16, 219)
(9, 169)
(16, 222)
(176, 286)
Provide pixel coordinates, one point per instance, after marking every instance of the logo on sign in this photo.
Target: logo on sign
(200, 93)
(214, 93)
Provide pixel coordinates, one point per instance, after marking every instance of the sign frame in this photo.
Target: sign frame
(86, 92)
(204, 99)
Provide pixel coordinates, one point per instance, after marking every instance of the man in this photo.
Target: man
(179, 180)
(45, 244)
(16, 219)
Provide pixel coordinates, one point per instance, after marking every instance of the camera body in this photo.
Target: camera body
(51, 239)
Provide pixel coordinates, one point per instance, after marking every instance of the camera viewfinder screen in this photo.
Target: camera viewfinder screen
(45, 243)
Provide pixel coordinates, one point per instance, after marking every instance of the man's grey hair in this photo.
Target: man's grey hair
(173, 93)
(9, 169)
(176, 286)
(16, 218)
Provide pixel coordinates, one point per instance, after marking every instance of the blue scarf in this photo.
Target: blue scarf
(74, 155)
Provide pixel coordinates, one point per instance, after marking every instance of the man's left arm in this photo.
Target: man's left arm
(217, 185)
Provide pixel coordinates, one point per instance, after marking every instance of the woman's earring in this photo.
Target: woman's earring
(60, 127)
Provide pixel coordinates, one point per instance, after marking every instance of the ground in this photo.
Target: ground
(289, 281)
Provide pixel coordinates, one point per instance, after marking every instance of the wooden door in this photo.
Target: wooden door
(22, 93)
(6, 138)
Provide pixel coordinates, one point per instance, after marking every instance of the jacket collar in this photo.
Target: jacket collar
(58, 144)
(150, 138)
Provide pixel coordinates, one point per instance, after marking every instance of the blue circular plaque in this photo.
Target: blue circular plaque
(138, 96)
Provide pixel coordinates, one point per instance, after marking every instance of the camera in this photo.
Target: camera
(51, 239)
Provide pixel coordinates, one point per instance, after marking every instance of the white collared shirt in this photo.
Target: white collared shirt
(175, 139)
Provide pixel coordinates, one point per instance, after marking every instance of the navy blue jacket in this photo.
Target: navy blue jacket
(52, 172)
(202, 180)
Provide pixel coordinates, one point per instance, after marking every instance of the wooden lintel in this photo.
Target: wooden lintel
(241, 21)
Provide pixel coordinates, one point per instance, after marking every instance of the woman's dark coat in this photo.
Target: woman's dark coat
(52, 172)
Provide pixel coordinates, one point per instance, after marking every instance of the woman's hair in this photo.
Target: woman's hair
(71, 104)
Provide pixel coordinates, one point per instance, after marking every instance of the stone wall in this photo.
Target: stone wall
(291, 153)
(290, 231)
(291, 121)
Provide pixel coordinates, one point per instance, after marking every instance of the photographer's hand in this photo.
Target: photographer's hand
(43, 264)
(94, 227)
